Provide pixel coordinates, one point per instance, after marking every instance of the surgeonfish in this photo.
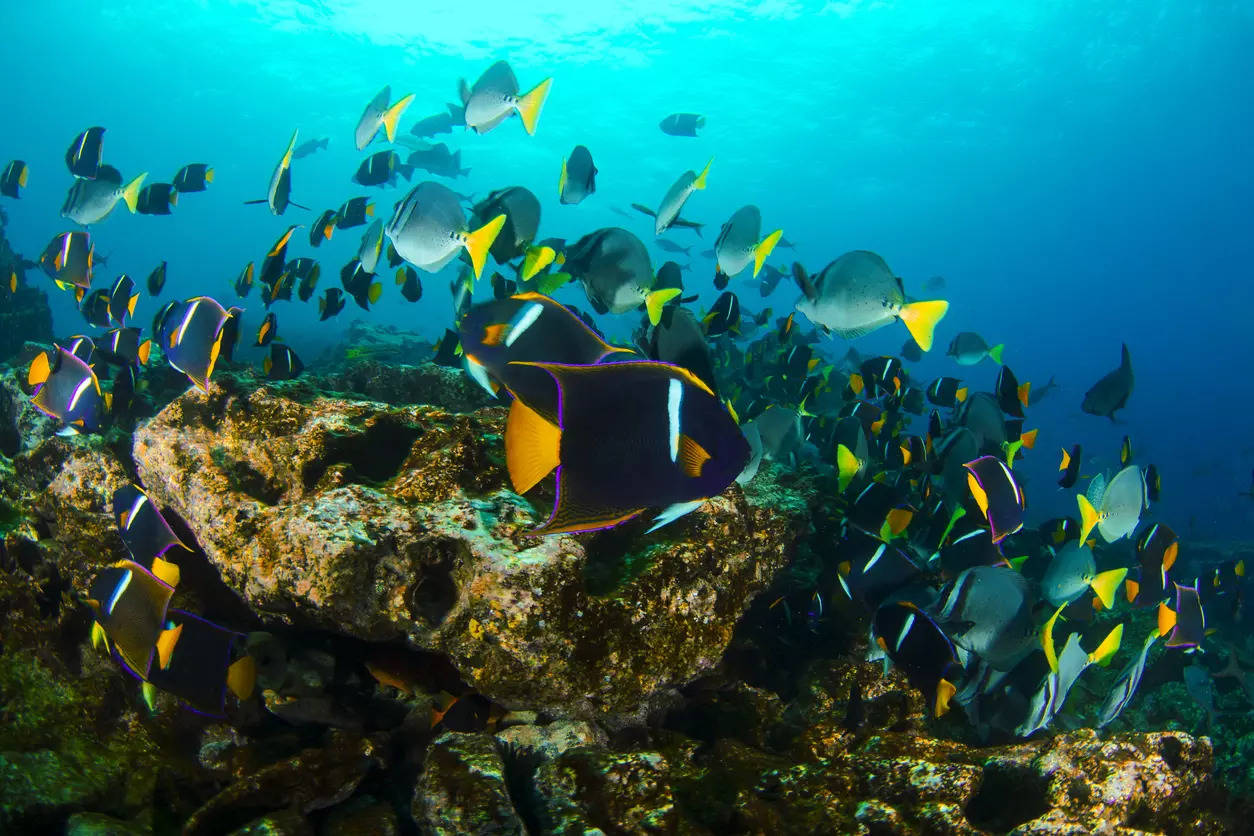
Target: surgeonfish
(579, 177)
(521, 209)
(616, 273)
(991, 610)
(857, 294)
(969, 348)
(1073, 570)
(428, 229)
(1111, 393)
(740, 242)
(380, 114)
(1126, 683)
(667, 214)
(494, 98)
(1120, 508)
(91, 201)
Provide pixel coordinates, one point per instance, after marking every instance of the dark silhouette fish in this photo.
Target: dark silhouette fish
(682, 124)
(1111, 393)
(439, 161)
(312, 146)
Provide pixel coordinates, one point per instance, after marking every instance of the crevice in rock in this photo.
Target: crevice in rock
(246, 479)
(1009, 795)
(374, 455)
(519, 770)
(434, 593)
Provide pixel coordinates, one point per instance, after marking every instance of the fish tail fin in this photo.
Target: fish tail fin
(208, 175)
(699, 183)
(763, 249)
(393, 115)
(1106, 584)
(22, 178)
(847, 465)
(478, 243)
(1047, 639)
(921, 319)
(1088, 516)
(1108, 648)
(1023, 393)
(530, 105)
(995, 352)
(1029, 438)
(1166, 619)
(656, 301)
(532, 446)
(561, 181)
(130, 194)
(1066, 460)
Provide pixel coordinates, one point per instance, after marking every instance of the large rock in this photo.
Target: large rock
(395, 522)
(26, 314)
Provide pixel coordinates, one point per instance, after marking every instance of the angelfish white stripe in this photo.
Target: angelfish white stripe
(674, 397)
(78, 393)
(874, 558)
(117, 592)
(905, 628)
(135, 506)
(187, 318)
(525, 319)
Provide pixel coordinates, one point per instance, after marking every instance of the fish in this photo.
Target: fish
(917, 645)
(1038, 395)
(199, 662)
(969, 348)
(724, 315)
(193, 177)
(306, 272)
(428, 229)
(14, 177)
(323, 228)
(276, 282)
(129, 603)
(1126, 684)
(1125, 451)
(910, 351)
(353, 212)
(331, 303)
(1156, 549)
(781, 434)
(156, 199)
(438, 160)
(672, 247)
(310, 147)
(448, 350)
(68, 390)
(1069, 466)
(1111, 393)
(1185, 626)
(676, 196)
(381, 169)
(279, 194)
(629, 436)
(192, 338)
(946, 391)
(380, 114)
(122, 299)
(244, 282)
(359, 283)
(124, 347)
(981, 414)
(617, 276)
(371, 246)
(682, 124)
(1120, 508)
(282, 363)
(990, 610)
(145, 533)
(1073, 570)
(266, 331)
(1153, 484)
(1011, 396)
(502, 340)
(411, 287)
(870, 570)
(156, 280)
(740, 242)
(679, 339)
(83, 156)
(95, 308)
(857, 294)
(579, 177)
(521, 209)
(439, 123)
(998, 495)
(91, 201)
(494, 97)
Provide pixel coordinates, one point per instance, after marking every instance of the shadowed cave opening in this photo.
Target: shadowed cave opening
(375, 455)
(1008, 797)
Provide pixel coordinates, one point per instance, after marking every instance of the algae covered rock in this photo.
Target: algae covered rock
(463, 789)
(388, 522)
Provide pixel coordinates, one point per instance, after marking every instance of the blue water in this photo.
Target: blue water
(1079, 172)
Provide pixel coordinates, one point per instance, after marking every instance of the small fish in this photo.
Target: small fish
(969, 348)
(1039, 393)
(95, 308)
(381, 169)
(156, 280)
(122, 299)
(156, 199)
(379, 114)
(998, 495)
(145, 533)
(1011, 396)
(1120, 508)
(1125, 451)
(331, 303)
(629, 436)
(359, 283)
(282, 363)
(910, 350)
(1111, 393)
(679, 339)
(1153, 483)
(1069, 467)
(579, 177)
(440, 123)
(323, 228)
(14, 178)
(447, 350)
(267, 330)
(494, 98)
(724, 315)
(192, 338)
(740, 242)
(428, 229)
(438, 160)
(67, 389)
(244, 282)
(407, 280)
(279, 194)
(682, 124)
(672, 247)
(617, 275)
(310, 147)
(124, 347)
(82, 158)
(193, 177)
(676, 196)
(946, 391)
(1073, 570)
(917, 645)
(521, 209)
(857, 294)
(305, 272)
(1126, 684)
(1156, 549)
(990, 608)
(1185, 626)
(130, 603)
(91, 201)
(199, 662)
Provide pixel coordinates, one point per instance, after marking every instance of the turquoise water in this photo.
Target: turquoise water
(1078, 171)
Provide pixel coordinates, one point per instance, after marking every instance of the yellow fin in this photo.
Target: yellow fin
(149, 693)
(40, 369)
(847, 465)
(393, 115)
(1131, 589)
(165, 645)
(921, 319)
(532, 446)
(995, 352)
(478, 243)
(1108, 648)
(692, 457)
(166, 571)
(1088, 516)
(561, 185)
(537, 258)
(208, 175)
(763, 249)
(699, 183)
(99, 638)
(656, 301)
(241, 677)
(945, 691)
(1047, 639)
(977, 491)
(1023, 393)
(1029, 438)
(530, 105)
(961, 394)
(376, 290)
(130, 194)
(1066, 460)
(856, 383)
(1106, 584)
(898, 519)
(21, 180)
(1166, 619)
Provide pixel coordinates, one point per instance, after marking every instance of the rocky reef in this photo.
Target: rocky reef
(24, 314)
(426, 666)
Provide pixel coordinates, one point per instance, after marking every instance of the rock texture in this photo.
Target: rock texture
(24, 315)
(395, 522)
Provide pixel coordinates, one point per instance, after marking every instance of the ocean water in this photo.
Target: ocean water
(1079, 172)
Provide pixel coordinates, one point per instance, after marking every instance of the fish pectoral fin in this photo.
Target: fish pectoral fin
(532, 446)
(673, 512)
(241, 677)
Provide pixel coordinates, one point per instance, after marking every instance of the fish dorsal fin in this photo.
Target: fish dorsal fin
(532, 446)
(692, 457)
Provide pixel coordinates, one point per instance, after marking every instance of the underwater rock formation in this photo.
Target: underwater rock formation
(24, 315)
(395, 522)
